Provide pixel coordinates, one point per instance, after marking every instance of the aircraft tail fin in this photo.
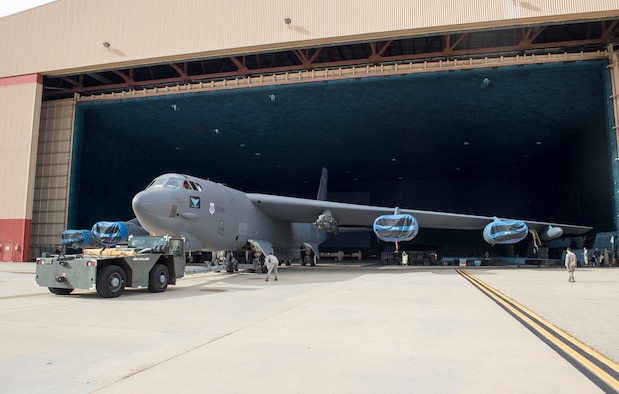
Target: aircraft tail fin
(322, 188)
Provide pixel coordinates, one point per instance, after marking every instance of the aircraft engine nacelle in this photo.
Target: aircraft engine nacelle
(327, 222)
(551, 233)
(75, 238)
(396, 228)
(505, 232)
(110, 233)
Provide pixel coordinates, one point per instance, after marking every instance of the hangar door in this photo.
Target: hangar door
(435, 141)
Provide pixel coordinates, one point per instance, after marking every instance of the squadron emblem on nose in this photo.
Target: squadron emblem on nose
(194, 202)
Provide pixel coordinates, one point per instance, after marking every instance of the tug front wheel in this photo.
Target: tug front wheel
(111, 281)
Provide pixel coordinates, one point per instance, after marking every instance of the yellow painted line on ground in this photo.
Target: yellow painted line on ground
(602, 367)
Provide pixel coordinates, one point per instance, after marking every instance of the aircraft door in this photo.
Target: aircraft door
(242, 234)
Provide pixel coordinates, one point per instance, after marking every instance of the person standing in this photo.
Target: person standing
(585, 255)
(596, 254)
(272, 263)
(606, 258)
(570, 264)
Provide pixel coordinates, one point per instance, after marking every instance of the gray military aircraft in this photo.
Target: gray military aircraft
(215, 217)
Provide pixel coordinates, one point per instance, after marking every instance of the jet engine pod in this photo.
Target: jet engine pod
(551, 233)
(392, 228)
(75, 238)
(505, 232)
(327, 222)
(110, 233)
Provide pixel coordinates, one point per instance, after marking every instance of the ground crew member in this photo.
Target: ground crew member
(596, 254)
(570, 264)
(272, 263)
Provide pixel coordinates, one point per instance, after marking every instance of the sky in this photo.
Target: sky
(8, 7)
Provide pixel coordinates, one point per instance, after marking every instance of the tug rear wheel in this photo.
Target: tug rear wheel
(158, 279)
(60, 291)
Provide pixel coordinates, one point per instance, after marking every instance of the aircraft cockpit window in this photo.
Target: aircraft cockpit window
(173, 183)
(190, 185)
(157, 182)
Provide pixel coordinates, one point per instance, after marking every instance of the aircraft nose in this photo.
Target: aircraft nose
(149, 204)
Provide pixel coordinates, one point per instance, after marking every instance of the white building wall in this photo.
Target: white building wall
(19, 123)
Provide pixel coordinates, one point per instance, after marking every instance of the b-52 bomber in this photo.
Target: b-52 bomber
(215, 217)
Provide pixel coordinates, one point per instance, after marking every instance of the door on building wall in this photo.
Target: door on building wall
(7, 251)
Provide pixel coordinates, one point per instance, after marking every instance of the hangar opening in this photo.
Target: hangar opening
(528, 141)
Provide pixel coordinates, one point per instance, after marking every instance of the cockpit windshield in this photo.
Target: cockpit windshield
(173, 182)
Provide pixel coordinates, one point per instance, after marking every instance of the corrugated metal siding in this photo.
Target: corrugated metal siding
(68, 34)
(52, 176)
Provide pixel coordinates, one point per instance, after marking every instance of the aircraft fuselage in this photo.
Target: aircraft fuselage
(212, 216)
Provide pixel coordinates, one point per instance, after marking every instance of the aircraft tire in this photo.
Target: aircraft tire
(60, 291)
(230, 267)
(158, 279)
(111, 281)
(264, 269)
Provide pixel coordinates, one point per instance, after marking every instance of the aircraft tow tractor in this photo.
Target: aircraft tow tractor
(147, 261)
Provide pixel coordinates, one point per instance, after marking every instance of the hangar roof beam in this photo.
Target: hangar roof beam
(608, 32)
(378, 55)
(448, 48)
(182, 72)
(77, 86)
(528, 37)
(129, 81)
(306, 59)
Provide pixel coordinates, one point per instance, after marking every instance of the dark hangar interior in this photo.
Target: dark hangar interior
(531, 141)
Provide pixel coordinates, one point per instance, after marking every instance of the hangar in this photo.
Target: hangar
(482, 107)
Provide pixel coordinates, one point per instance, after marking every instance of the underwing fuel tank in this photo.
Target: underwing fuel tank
(396, 228)
(505, 232)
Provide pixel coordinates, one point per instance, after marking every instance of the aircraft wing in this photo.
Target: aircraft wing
(306, 211)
